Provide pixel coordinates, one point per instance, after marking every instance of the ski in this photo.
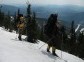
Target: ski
(53, 56)
(62, 59)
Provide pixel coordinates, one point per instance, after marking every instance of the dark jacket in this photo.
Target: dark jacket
(52, 32)
(55, 39)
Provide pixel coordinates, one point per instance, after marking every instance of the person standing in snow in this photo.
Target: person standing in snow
(52, 32)
(21, 26)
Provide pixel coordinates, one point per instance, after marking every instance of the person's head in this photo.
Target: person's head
(21, 19)
(52, 19)
(54, 15)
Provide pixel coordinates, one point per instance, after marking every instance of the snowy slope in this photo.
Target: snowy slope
(13, 50)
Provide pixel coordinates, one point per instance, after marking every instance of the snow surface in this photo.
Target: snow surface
(13, 50)
(82, 30)
(77, 27)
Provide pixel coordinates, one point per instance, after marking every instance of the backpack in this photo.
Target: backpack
(48, 28)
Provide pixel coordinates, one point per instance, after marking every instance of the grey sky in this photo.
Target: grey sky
(46, 2)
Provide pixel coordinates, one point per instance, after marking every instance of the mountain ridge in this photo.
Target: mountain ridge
(66, 13)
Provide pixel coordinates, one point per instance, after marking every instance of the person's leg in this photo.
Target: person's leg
(48, 48)
(53, 51)
(20, 34)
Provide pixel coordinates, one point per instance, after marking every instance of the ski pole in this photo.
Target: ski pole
(44, 44)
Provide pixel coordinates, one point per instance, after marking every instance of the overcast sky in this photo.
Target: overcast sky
(46, 2)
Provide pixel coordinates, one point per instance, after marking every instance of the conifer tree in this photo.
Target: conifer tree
(1, 17)
(80, 47)
(72, 39)
(64, 38)
(42, 33)
(18, 17)
(15, 19)
(31, 26)
(29, 23)
(34, 27)
(11, 24)
(7, 22)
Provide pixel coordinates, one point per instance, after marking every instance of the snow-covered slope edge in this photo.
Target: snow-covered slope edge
(13, 50)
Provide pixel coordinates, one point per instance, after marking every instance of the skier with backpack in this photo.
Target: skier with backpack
(21, 26)
(52, 31)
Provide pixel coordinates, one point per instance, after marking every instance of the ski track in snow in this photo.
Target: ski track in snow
(13, 50)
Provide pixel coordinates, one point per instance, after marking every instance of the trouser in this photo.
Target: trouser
(20, 34)
(53, 48)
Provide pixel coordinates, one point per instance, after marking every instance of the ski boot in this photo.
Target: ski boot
(48, 50)
(53, 53)
(19, 37)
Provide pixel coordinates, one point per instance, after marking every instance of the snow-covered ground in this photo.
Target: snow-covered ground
(13, 50)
